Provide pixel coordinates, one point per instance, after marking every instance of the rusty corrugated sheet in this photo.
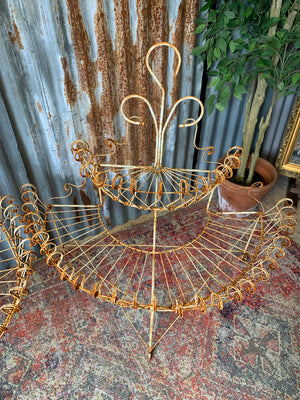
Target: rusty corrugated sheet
(65, 67)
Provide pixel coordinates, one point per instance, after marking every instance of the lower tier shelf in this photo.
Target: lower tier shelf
(217, 257)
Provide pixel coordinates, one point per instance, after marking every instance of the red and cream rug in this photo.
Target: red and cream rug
(66, 345)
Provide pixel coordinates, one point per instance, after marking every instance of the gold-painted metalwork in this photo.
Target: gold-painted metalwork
(154, 187)
(225, 258)
(226, 255)
(16, 257)
(288, 159)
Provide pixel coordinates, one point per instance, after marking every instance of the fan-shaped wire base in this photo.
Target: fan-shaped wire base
(222, 257)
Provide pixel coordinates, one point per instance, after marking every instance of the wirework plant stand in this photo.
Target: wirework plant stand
(227, 256)
(16, 256)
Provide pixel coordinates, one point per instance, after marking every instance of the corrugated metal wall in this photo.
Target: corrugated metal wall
(66, 65)
(224, 129)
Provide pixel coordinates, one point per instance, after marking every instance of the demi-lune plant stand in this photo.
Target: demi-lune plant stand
(16, 260)
(226, 256)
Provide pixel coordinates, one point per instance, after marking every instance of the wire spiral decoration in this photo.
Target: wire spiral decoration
(224, 255)
(16, 257)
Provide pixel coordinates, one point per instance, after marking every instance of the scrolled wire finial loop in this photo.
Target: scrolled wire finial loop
(148, 61)
(136, 120)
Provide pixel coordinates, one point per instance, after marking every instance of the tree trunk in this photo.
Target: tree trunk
(255, 102)
(250, 123)
(264, 124)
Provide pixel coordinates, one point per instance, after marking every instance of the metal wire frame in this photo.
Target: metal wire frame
(16, 257)
(76, 240)
(223, 257)
(226, 257)
(154, 187)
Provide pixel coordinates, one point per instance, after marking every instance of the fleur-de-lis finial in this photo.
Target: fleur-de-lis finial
(161, 126)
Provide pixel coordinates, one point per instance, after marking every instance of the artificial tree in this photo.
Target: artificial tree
(248, 47)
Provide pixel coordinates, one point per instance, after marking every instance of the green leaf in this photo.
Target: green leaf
(234, 6)
(280, 34)
(214, 82)
(240, 68)
(213, 73)
(291, 92)
(264, 63)
(217, 53)
(224, 35)
(239, 90)
(244, 31)
(200, 28)
(224, 97)
(294, 64)
(296, 78)
(267, 53)
(280, 86)
(232, 46)
(209, 57)
(207, 33)
(220, 107)
(267, 75)
(222, 45)
(240, 44)
(229, 14)
(199, 21)
(212, 16)
(205, 7)
(247, 12)
(235, 77)
(252, 45)
(272, 22)
(220, 85)
(207, 43)
(210, 103)
(297, 44)
(196, 51)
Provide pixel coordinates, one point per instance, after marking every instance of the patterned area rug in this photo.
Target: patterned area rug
(67, 345)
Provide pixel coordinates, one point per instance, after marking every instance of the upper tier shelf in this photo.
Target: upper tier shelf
(150, 187)
(154, 187)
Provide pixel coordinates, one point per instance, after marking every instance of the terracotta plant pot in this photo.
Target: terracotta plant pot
(236, 198)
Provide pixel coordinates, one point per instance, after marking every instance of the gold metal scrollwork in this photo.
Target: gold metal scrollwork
(222, 256)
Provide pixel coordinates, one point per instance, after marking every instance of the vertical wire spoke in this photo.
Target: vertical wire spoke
(166, 279)
(130, 279)
(176, 278)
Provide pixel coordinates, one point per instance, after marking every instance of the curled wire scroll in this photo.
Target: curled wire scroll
(155, 186)
(16, 256)
(90, 265)
(161, 126)
(134, 187)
